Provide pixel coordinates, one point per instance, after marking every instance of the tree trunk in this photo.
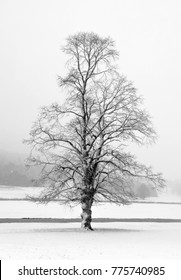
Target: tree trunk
(86, 215)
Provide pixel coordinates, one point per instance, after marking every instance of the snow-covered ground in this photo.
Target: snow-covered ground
(11, 192)
(66, 241)
(26, 209)
(109, 241)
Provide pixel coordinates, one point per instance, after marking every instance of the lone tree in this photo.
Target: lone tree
(80, 145)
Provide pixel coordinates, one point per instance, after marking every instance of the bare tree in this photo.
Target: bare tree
(80, 145)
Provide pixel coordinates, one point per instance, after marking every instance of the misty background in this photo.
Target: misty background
(148, 37)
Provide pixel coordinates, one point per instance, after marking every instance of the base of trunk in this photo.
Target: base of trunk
(86, 217)
(86, 228)
(86, 204)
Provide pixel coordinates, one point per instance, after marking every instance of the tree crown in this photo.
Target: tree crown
(80, 144)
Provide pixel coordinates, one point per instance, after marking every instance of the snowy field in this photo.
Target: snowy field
(114, 240)
(26, 209)
(108, 241)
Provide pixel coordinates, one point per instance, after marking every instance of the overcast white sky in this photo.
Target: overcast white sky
(147, 35)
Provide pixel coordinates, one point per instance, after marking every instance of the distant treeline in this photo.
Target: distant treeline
(14, 173)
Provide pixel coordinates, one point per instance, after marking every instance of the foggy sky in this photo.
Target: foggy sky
(147, 35)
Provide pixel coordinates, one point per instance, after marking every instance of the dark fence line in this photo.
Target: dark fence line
(95, 220)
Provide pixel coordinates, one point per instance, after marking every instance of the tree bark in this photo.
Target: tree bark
(86, 215)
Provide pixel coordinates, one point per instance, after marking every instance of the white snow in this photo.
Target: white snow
(12, 192)
(109, 241)
(26, 209)
(66, 241)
